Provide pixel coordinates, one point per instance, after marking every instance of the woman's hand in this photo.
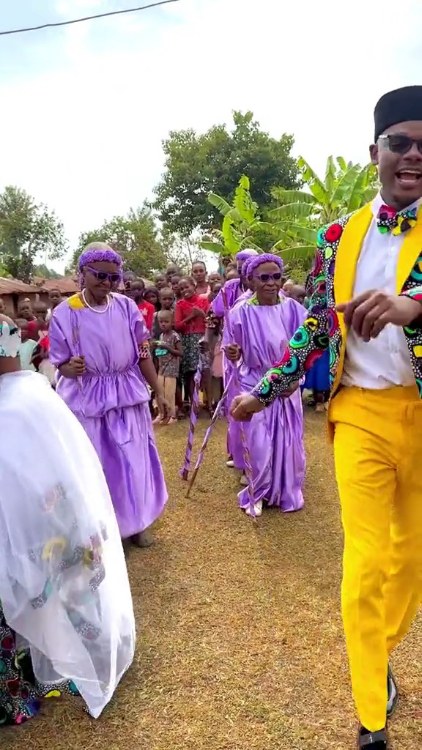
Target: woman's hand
(233, 352)
(74, 368)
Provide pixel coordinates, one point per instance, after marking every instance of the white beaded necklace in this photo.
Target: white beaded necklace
(95, 309)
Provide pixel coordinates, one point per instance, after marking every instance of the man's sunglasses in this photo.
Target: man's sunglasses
(400, 144)
(113, 278)
(269, 276)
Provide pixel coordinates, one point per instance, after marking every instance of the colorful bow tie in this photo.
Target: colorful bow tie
(396, 222)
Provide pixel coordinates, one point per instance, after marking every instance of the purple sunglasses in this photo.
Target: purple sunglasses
(269, 276)
(113, 278)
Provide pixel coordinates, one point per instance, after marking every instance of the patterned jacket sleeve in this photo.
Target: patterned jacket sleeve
(307, 344)
(415, 293)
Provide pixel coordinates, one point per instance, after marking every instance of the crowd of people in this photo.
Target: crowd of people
(122, 356)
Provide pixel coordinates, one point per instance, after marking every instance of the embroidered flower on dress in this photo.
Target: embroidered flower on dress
(333, 233)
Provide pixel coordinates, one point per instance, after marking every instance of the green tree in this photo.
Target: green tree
(27, 230)
(345, 188)
(135, 236)
(213, 162)
(240, 225)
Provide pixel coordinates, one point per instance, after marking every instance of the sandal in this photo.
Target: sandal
(373, 740)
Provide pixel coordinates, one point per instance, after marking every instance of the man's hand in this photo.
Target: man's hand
(244, 407)
(232, 352)
(370, 312)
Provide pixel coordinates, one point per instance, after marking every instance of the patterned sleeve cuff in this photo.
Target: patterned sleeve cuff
(415, 293)
(270, 386)
(144, 350)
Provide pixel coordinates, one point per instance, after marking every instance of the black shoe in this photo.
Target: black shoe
(393, 693)
(372, 740)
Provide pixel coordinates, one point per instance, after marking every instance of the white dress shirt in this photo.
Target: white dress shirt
(382, 362)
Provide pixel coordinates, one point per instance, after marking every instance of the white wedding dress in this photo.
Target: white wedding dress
(64, 587)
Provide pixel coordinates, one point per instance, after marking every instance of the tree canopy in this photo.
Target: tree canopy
(27, 231)
(197, 165)
(135, 236)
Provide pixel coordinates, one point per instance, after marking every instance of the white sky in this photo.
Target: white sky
(84, 110)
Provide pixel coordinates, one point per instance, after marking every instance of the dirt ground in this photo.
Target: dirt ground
(240, 641)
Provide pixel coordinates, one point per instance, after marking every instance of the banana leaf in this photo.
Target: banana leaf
(300, 232)
(243, 202)
(330, 175)
(315, 185)
(296, 252)
(294, 211)
(292, 196)
(357, 193)
(341, 161)
(219, 203)
(344, 188)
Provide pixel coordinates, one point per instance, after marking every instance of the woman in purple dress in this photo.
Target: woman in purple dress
(261, 327)
(233, 289)
(99, 343)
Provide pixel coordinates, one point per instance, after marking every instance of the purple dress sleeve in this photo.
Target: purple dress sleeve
(60, 351)
(137, 322)
(232, 289)
(139, 329)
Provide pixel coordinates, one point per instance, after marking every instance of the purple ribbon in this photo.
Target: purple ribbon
(184, 471)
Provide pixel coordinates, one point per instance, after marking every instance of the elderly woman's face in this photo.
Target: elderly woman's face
(266, 281)
(100, 278)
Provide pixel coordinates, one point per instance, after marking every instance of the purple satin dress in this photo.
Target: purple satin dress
(275, 435)
(111, 402)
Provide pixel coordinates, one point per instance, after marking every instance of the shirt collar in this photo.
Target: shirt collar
(378, 202)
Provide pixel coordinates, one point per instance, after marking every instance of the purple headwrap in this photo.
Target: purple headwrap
(245, 254)
(264, 258)
(245, 266)
(99, 252)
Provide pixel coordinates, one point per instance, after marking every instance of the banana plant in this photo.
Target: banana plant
(345, 188)
(240, 222)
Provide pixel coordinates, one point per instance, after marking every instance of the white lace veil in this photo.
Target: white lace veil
(63, 581)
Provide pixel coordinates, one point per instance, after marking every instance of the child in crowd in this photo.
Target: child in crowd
(25, 310)
(38, 327)
(54, 298)
(174, 283)
(168, 351)
(151, 295)
(231, 273)
(172, 270)
(167, 301)
(213, 278)
(160, 281)
(190, 316)
(136, 291)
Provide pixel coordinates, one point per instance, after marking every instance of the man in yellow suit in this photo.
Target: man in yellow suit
(366, 306)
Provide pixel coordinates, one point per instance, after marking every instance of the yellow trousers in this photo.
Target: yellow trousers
(378, 460)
